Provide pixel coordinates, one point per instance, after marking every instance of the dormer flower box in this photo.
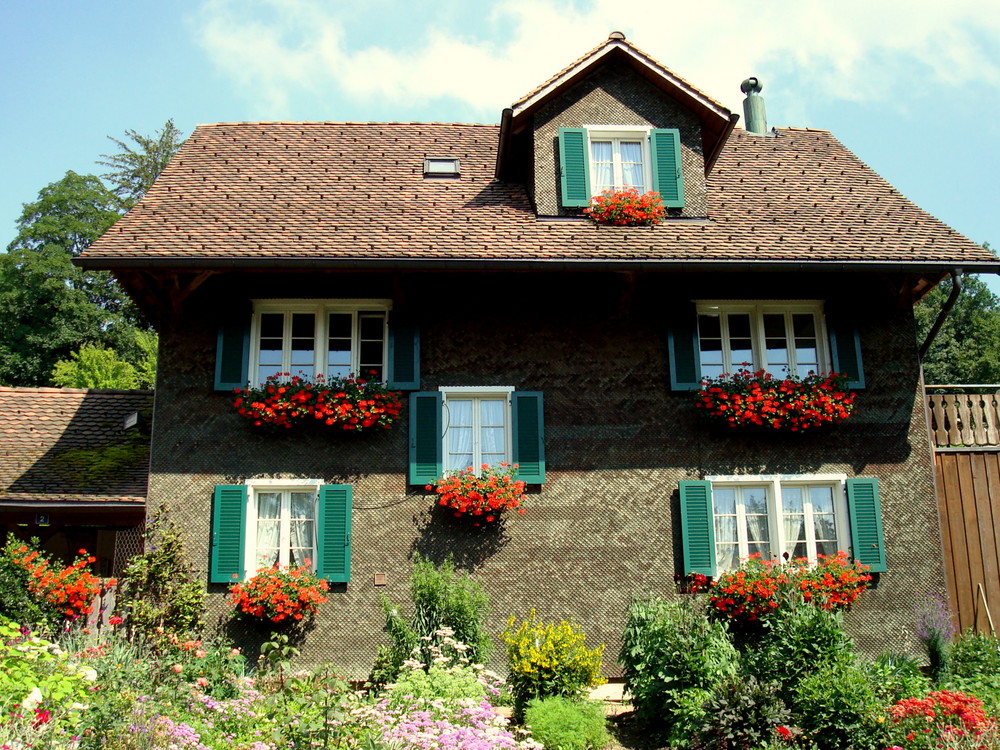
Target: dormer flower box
(626, 208)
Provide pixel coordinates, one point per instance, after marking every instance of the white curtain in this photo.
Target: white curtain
(301, 532)
(600, 160)
(492, 415)
(632, 171)
(268, 528)
(459, 426)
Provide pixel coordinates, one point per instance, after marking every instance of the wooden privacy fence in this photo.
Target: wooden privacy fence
(965, 429)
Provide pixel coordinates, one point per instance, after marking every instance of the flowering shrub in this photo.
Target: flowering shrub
(547, 658)
(757, 587)
(481, 496)
(758, 398)
(279, 594)
(352, 404)
(626, 208)
(70, 589)
(944, 718)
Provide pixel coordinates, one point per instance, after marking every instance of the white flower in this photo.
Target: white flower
(33, 699)
(89, 673)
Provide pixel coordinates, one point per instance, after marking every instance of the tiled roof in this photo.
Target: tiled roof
(354, 193)
(68, 445)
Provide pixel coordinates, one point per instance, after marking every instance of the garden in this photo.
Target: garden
(758, 658)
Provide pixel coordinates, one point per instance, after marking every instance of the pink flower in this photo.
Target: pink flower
(177, 668)
(199, 654)
(202, 682)
(115, 620)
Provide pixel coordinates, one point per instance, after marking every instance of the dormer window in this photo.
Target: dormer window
(597, 158)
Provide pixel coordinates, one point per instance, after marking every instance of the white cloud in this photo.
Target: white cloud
(279, 50)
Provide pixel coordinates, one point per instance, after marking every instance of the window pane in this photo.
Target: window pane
(727, 556)
(825, 528)
(370, 356)
(739, 325)
(272, 325)
(826, 548)
(601, 165)
(268, 505)
(459, 434)
(775, 343)
(821, 499)
(709, 327)
(372, 326)
(724, 500)
(792, 499)
(303, 344)
(271, 344)
(725, 530)
(372, 350)
(338, 357)
(755, 500)
(632, 171)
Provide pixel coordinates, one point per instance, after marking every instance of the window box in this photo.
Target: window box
(480, 496)
(279, 595)
(757, 399)
(344, 403)
(626, 208)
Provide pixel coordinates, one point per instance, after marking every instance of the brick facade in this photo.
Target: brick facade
(605, 525)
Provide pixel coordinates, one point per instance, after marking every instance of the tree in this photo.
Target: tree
(93, 366)
(70, 213)
(134, 169)
(967, 348)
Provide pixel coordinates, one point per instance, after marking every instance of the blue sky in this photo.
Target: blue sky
(910, 86)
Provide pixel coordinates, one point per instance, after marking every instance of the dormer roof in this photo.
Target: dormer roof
(716, 120)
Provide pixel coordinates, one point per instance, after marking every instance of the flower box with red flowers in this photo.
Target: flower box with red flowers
(71, 589)
(626, 208)
(349, 404)
(761, 400)
(279, 595)
(480, 496)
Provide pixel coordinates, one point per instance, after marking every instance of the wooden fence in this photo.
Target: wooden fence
(965, 429)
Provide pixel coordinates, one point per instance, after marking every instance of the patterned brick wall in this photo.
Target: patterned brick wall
(614, 97)
(605, 526)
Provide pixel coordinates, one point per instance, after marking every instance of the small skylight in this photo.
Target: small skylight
(442, 167)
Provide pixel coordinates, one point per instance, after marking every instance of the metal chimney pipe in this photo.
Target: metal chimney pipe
(753, 106)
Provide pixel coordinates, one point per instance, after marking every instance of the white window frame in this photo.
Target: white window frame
(477, 393)
(254, 486)
(616, 134)
(757, 309)
(321, 309)
(773, 484)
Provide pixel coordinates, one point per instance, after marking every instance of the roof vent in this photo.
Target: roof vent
(616, 36)
(435, 166)
(753, 106)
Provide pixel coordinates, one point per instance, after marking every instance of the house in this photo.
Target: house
(454, 261)
(74, 465)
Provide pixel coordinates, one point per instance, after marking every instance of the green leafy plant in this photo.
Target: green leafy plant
(547, 659)
(975, 668)
(159, 587)
(668, 649)
(742, 713)
(440, 597)
(896, 676)
(276, 657)
(836, 707)
(562, 723)
(450, 675)
(16, 600)
(936, 631)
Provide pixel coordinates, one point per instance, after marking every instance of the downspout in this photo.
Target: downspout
(956, 289)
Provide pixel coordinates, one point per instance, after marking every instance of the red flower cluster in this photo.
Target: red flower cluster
(758, 398)
(626, 208)
(71, 589)
(350, 403)
(942, 716)
(278, 594)
(836, 582)
(758, 587)
(481, 496)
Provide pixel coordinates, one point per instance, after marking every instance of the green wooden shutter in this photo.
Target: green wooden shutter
(333, 533)
(528, 436)
(683, 349)
(229, 504)
(668, 173)
(845, 349)
(865, 509)
(404, 356)
(425, 437)
(232, 355)
(697, 527)
(574, 167)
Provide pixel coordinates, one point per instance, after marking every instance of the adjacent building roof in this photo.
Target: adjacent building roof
(354, 194)
(68, 445)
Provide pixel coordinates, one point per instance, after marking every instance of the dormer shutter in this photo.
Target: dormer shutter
(668, 178)
(574, 167)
